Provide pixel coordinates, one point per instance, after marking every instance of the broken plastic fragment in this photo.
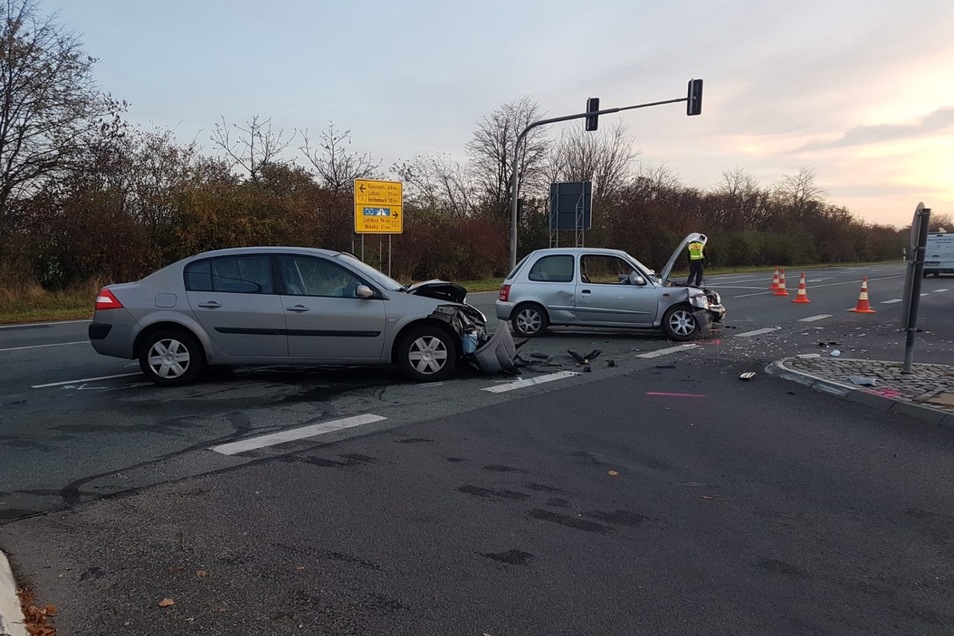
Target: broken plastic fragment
(862, 380)
(835, 353)
(748, 375)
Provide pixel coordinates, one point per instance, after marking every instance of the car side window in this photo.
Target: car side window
(310, 276)
(251, 274)
(554, 269)
(603, 269)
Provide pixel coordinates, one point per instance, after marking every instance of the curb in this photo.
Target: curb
(11, 616)
(860, 396)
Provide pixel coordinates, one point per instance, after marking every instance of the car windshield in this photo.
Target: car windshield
(648, 270)
(379, 278)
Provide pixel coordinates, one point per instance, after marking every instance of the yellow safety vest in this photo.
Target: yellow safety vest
(695, 251)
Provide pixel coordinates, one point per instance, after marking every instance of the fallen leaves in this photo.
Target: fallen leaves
(35, 619)
(166, 602)
(613, 473)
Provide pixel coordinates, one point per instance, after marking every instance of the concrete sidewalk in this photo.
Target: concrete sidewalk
(11, 617)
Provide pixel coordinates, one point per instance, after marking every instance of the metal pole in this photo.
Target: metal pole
(389, 254)
(515, 180)
(922, 217)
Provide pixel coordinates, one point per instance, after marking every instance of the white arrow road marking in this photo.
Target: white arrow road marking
(104, 377)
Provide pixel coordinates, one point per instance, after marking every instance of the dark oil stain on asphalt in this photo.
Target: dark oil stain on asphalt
(350, 459)
(781, 567)
(330, 555)
(455, 460)
(571, 522)
(487, 493)
(511, 557)
(503, 469)
(415, 440)
(618, 517)
(558, 503)
(542, 488)
(93, 574)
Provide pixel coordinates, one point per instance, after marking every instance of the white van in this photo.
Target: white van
(939, 255)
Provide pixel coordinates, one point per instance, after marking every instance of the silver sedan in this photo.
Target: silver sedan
(282, 305)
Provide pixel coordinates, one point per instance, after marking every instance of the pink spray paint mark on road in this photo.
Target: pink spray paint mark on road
(686, 395)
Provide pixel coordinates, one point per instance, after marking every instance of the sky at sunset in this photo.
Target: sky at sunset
(859, 92)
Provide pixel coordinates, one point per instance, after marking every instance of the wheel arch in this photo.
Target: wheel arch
(421, 322)
(172, 325)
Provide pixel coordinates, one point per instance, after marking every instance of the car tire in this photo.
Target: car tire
(679, 323)
(171, 357)
(427, 354)
(529, 320)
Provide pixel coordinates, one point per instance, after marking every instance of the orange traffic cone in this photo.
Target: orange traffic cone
(774, 284)
(863, 306)
(780, 290)
(802, 295)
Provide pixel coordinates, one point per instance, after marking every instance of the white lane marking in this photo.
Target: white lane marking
(663, 352)
(941, 290)
(519, 384)
(891, 302)
(757, 332)
(814, 318)
(102, 377)
(42, 324)
(281, 437)
(57, 344)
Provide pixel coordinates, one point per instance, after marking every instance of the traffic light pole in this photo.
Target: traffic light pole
(515, 180)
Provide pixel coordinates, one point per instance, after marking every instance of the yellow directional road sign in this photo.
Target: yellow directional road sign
(378, 207)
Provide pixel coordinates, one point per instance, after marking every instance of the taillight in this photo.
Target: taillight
(106, 300)
(504, 293)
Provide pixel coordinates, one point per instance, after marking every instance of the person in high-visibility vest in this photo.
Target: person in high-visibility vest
(696, 259)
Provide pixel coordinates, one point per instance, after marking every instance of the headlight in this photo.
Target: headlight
(447, 310)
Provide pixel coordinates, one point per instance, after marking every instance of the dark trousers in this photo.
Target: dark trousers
(695, 273)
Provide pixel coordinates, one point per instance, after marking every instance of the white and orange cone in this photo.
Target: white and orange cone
(802, 295)
(774, 284)
(780, 290)
(863, 306)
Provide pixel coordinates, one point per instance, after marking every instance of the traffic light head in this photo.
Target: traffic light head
(592, 106)
(694, 99)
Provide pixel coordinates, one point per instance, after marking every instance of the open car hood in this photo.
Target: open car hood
(439, 289)
(667, 270)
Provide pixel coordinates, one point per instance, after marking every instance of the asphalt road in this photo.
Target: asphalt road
(739, 507)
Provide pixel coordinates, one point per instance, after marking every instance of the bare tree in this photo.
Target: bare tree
(491, 151)
(48, 102)
(799, 192)
(605, 158)
(336, 166)
(438, 183)
(253, 146)
(740, 202)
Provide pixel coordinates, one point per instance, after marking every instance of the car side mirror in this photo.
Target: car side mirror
(636, 279)
(363, 291)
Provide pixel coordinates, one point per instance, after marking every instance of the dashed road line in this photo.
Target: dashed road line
(664, 352)
(281, 437)
(520, 384)
(891, 302)
(814, 318)
(757, 332)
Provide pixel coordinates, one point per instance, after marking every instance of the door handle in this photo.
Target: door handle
(585, 291)
(297, 308)
(210, 305)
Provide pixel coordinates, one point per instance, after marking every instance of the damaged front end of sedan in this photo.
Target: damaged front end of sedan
(491, 353)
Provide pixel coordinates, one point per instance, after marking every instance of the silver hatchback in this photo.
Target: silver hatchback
(595, 287)
(282, 305)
